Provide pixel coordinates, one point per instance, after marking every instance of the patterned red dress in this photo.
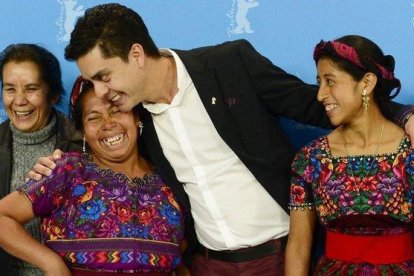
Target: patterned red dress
(365, 203)
(103, 221)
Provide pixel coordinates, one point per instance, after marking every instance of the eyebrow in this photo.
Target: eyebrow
(326, 75)
(99, 74)
(26, 85)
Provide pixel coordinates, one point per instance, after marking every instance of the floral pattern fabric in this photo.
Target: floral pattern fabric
(360, 195)
(97, 219)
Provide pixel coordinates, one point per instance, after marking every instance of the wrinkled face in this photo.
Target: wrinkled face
(114, 79)
(111, 134)
(25, 96)
(339, 93)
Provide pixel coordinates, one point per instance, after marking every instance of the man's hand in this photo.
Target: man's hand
(409, 129)
(45, 165)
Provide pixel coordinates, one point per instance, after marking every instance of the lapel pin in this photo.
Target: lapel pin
(213, 100)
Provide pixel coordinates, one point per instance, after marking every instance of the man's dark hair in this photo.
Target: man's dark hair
(114, 28)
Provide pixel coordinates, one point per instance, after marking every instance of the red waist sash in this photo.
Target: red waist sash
(369, 249)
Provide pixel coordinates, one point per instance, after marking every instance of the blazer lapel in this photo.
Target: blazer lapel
(205, 82)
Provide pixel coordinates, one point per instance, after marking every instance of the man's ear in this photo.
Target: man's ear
(137, 53)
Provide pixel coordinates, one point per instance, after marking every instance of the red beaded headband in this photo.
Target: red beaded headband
(350, 54)
(77, 89)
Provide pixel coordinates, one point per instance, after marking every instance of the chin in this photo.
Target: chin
(336, 123)
(126, 107)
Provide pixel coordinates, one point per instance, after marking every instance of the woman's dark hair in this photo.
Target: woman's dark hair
(81, 88)
(45, 61)
(114, 28)
(369, 58)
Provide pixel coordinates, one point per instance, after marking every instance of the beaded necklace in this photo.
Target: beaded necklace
(373, 159)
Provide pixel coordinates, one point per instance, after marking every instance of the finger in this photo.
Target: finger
(42, 170)
(57, 154)
(32, 175)
(45, 162)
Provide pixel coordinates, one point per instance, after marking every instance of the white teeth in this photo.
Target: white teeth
(115, 98)
(112, 141)
(330, 107)
(22, 113)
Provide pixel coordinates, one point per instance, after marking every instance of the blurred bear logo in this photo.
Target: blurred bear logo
(239, 22)
(69, 13)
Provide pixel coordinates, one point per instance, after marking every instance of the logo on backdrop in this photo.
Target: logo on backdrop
(239, 24)
(69, 12)
(412, 19)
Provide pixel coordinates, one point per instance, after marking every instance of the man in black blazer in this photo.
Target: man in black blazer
(212, 130)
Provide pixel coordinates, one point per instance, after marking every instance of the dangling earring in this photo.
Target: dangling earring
(365, 99)
(84, 145)
(141, 127)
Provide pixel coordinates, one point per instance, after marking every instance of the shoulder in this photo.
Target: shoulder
(5, 136)
(67, 128)
(69, 160)
(228, 47)
(5, 131)
(315, 147)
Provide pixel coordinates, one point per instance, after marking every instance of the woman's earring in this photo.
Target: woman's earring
(84, 145)
(141, 127)
(365, 99)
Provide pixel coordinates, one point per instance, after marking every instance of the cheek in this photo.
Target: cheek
(7, 101)
(39, 101)
(90, 132)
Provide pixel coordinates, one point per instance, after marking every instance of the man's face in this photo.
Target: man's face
(113, 79)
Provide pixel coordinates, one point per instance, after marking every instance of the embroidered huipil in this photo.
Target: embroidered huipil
(101, 220)
(349, 201)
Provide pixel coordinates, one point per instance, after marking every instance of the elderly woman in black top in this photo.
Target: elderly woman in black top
(31, 85)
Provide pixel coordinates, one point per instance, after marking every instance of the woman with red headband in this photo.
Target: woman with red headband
(358, 181)
(104, 211)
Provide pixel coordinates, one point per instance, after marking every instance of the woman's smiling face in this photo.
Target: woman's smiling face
(111, 134)
(25, 96)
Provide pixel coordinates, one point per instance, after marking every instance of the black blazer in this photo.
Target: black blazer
(244, 95)
(67, 139)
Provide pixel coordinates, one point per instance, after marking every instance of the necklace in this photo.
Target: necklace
(372, 161)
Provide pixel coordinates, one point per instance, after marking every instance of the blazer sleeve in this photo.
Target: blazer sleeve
(283, 94)
(288, 96)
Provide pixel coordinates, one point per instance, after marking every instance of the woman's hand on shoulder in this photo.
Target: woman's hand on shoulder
(44, 166)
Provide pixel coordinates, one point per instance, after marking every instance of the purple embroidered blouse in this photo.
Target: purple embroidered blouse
(101, 220)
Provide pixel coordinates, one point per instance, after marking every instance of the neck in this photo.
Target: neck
(132, 166)
(364, 130)
(164, 80)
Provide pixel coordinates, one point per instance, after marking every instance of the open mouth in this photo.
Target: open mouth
(330, 107)
(23, 114)
(115, 98)
(114, 140)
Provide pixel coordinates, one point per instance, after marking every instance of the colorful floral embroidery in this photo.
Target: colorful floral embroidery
(339, 186)
(344, 196)
(80, 202)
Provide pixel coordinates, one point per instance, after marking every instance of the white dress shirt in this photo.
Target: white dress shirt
(231, 210)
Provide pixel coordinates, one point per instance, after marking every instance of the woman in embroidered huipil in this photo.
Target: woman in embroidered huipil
(103, 212)
(358, 180)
